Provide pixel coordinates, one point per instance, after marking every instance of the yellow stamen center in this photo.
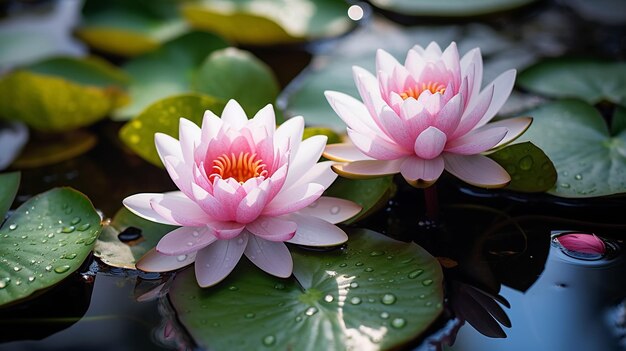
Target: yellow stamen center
(418, 89)
(239, 167)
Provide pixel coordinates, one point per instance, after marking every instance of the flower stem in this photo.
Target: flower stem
(431, 200)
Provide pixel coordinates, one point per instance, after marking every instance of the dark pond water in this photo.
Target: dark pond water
(491, 243)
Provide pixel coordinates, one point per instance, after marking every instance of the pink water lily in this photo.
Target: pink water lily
(582, 243)
(245, 189)
(425, 116)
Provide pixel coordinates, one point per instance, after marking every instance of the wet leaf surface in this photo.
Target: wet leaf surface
(530, 169)
(377, 293)
(127, 238)
(9, 183)
(589, 161)
(370, 194)
(44, 241)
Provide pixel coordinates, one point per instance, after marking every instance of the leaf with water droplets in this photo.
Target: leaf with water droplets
(530, 169)
(124, 254)
(163, 116)
(9, 183)
(37, 253)
(370, 194)
(356, 297)
(589, 161)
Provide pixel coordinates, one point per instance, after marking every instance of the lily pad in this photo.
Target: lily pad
(142, 236)
(370, 194)
(62, 94)
(44, 241)
(47, 149)
(166, 71)
(333, 138)
(163, 116)
(589, 161)
(375, 294)
(129, 28)
(589, 80)
(449, 8)
(530, 169)
(9, 182)
(262, 22)
(236, 74)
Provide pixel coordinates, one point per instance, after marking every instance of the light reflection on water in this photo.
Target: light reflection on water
(574, 305)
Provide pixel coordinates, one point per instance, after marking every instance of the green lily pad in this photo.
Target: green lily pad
(530, 169)
(370, 194)
(163, 116)
(9, 182)
(261, 22)
(449, 8)
(47, 149)
(589, 161)
(618, 124)
(333, 138)
(129, 28)
(236, 74)
(376, 294)
(62, 94)
(589, 80)
(112, 251)
(166, 71)
(45, 240)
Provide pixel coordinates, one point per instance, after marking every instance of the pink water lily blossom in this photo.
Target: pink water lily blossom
(245, 188)
(424, 116)
(582, 243)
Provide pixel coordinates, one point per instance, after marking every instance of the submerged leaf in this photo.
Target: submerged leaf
(47, 149)
(163, 116)
(589, 161)
(44, 241)
(530, 169)
(376, 294)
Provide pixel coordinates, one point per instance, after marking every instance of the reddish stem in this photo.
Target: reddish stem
(431, 200)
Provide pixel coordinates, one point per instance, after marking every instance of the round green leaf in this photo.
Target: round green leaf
(377, 293)
(589, 161)
(129, 28)
(590, 80)
(530, 169)
(449, 8)
(116, 253)
(370, 194)
(261, 22)
(166, 71)
(47, 149)
(9, 183)
(333, 138)
(235, 74)
(163, 116)
(45, 240)
(61, 94)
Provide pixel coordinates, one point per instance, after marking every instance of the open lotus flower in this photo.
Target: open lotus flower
(245, 188)
(425, 116)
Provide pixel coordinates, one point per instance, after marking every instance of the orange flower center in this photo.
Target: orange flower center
(239, 167)
(418, 89)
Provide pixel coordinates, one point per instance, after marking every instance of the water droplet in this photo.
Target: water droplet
(269, 340)
(354, 285)
(62, 269)
(384, 315)
(279, 286)
(75, 220)
(329, 298)
(355, 300)
(250, 315)
(427, 282)
(51, 235)
(68, 229)
(3, 283)
(31, 279)
(578, 177)
(233, 288)
(408, 260)
(299, 319)
(388, 299)
(24, 237)
(416, 273)
(343, 264)
(17, 268)
(240, 241)
(369, 269)
(69, 256)
(189, 243)
(181, 258)
(18, 282)
(398, 323)
(83, 227)
(310, 311)
(334, 210)
(13, 226)
(358, 264)
(195, 234)
(428, 303)
(48, 268)
(565, 185)
(377, 253)
(526, 163)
